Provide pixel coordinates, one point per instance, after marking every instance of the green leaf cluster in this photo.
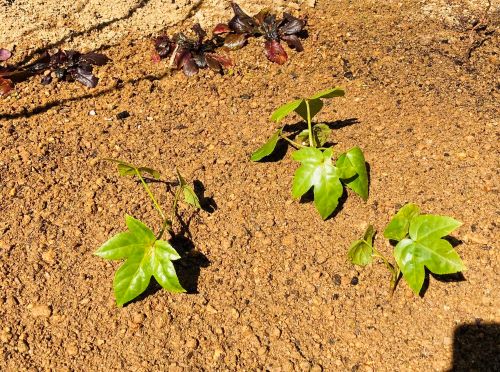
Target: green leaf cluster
(317, 169)
(420, 245)
(145, 256)
(145, 253)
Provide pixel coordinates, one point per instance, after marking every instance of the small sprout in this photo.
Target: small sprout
(242, 26)
(317, 170)
(420, 245)
(191, 54)
(146, 254)
(361, 250)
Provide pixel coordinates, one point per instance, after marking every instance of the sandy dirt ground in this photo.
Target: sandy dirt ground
(269, 285)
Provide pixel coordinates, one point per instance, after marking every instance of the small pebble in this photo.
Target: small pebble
(92, 113)
(41, 311)
(354, 280)
(122, 115)
(337, 279)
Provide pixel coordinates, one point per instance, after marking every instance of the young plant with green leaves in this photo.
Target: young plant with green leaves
(144, 252)
(420, 244)
(318, 170)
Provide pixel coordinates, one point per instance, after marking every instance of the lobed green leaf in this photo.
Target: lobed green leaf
(286, 109)
(361, 250)
(354, 160)
(190, 196)
(267, 148)
(398, 227)
(145, 257)
(317, 171)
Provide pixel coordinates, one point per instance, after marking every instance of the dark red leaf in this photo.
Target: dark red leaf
(4, 54)
(261, 16)
(225, 61)
(235, 41)
(213, 63)
(275, 52)
(84, 76)
(293, 42)
(241, 23)
(199, 32)
(188, 65)
(221, 28)
(291, 25)
(92, 58)
(5, 86)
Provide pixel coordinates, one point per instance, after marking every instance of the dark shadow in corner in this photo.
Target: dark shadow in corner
(476, 347)
(208, 204)
(74, 34)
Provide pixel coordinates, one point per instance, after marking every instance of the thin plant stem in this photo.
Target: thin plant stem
(150, 194)
(309, 126)
(174, 208)
(293, 143)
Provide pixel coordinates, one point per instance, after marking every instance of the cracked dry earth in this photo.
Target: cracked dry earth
(270, 286)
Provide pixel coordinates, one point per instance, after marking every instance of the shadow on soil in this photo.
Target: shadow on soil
(72, 35)
(476, 347)
(118, 86)
(294, 129)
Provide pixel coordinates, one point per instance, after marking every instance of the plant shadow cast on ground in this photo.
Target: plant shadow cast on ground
(295, 128)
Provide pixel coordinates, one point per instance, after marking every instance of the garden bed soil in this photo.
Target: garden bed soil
(269, 284)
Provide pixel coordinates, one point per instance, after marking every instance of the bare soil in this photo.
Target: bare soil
(269, 284)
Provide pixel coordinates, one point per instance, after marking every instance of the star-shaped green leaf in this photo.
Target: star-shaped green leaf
(145, 257)
(399, 226)
(425, 248)
(317, 171)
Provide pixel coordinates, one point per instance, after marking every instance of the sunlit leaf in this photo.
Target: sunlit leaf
(361, 250)
(286, 109)
(426, 248)
(235, 41)
(274, 52)
(145, 257)
(398, 227)
(356, 159)
(317, 171)
(267, 148)
(328, 93)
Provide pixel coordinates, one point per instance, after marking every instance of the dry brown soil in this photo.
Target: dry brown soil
(270, 286)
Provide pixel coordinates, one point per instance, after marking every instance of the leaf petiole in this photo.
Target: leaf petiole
(293, 143)
(309, 125)
(150, 194)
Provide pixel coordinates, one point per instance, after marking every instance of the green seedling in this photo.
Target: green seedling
(145, 253)
(419, 245)
(317, 167)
